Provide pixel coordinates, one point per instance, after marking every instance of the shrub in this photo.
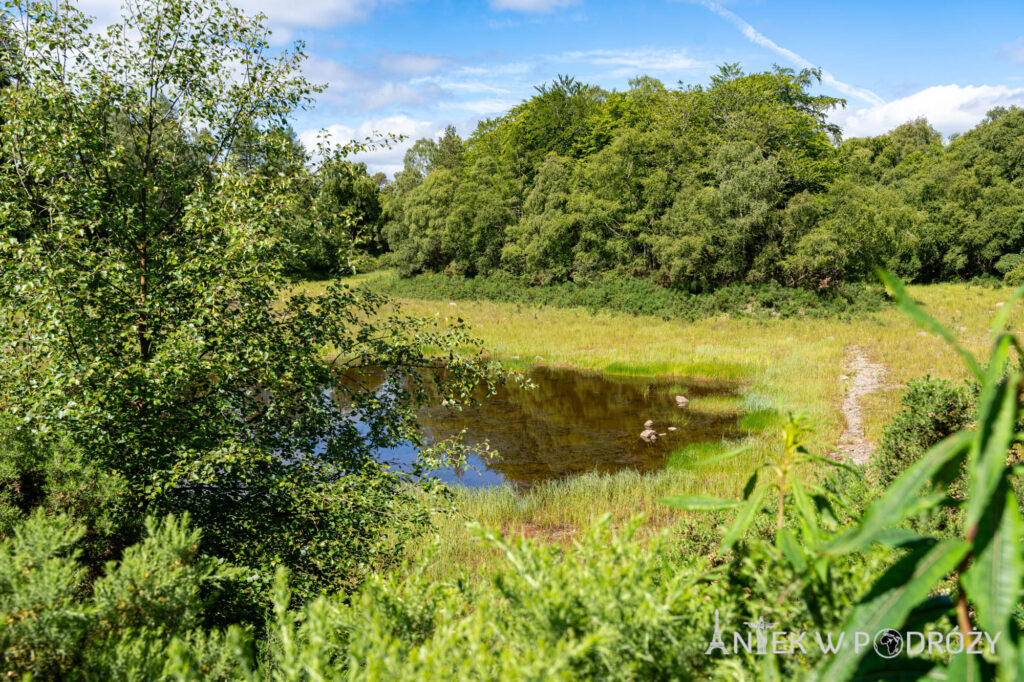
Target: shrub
(932, 410)
(639, 296)
(60, 479)
(139, 620)
(611, 608)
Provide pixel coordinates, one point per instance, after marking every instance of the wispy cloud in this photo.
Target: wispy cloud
(384, 159)
(366, 89)
(949, 108)
(306, 14)
(530, 5)
(472, 86)
(1014, 51)
(412, 63)
(481, 107)
(636, 61)
(758, 38)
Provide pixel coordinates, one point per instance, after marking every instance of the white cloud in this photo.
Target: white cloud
(382, 159)
(307, 13)
(530, 5)
(949, 108)
(339, 78)
(758, 38)
(389, 94)
(364, 90)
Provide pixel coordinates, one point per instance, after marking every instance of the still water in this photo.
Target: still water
(572, 422)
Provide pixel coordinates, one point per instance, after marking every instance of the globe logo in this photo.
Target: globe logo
(888, 643)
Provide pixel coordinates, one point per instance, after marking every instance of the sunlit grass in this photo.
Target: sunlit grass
(558, 510)
(760, 420)
(780, 365)
(717, 403)
(689, 457)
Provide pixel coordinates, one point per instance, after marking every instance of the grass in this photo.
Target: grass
(558, 511)
(787, 364)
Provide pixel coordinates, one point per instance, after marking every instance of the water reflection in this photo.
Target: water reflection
(572, 422)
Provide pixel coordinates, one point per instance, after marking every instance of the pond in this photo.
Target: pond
(573, 422)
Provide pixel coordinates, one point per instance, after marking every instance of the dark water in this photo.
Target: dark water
(571, 422)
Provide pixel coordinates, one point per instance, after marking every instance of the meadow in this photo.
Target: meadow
(793, 364)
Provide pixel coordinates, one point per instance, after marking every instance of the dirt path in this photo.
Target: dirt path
(865, 377)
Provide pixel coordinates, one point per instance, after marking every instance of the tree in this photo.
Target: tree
(337, 219)
(141, 313)
(720, 233)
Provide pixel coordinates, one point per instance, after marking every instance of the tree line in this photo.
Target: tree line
(744, 179)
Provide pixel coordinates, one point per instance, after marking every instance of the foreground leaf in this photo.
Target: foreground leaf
(902, 496)
(993, 582)
(892, 598)
(744, 518)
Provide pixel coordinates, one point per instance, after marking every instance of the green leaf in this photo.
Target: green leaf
(993, 582)
(907, 304)
(744, 518)
(901, 537)
(898, 668)
(769, 669)
(790, 549)
(808, 514)
(997, 417)
(696, 503)
(964, 667)
(902, 495)
(891, 600)
(833, 463)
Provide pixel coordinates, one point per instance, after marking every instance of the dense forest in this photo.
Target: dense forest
(741, 180)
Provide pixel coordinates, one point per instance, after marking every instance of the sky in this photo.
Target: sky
(411, 67)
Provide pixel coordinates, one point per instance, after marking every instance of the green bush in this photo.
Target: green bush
(61, 479)
(610, 609)
(932, 410)
(141, 619)
(639, 296)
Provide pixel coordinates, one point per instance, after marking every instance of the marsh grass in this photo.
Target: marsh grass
(760, 420)
(559, 510)
(689, 457)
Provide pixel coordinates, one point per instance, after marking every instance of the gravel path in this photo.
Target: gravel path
(865, 377)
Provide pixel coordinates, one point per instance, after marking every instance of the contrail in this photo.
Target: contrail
(758, 38)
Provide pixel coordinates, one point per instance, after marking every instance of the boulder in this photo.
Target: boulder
(648, 425)
(682, 401)
(649, 435)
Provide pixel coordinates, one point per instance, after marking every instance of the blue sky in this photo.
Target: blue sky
(413, 66)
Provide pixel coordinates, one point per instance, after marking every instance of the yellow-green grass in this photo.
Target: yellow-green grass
(794, 364)
(559, 510)
(790, 364)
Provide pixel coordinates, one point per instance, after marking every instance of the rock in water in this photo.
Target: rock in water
(681, 401)
(649, 435)
(648, 425)
(671, 428)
